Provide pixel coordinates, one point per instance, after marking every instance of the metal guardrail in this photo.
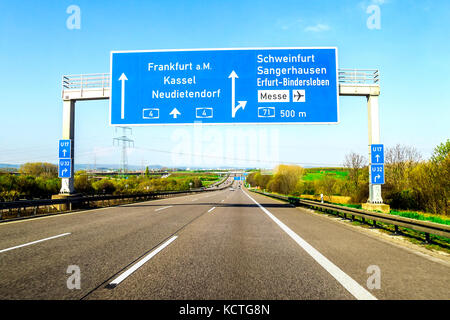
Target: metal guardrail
(358, 76)
(86, 81)
(103, 80)
(427, 227)
(23, 204)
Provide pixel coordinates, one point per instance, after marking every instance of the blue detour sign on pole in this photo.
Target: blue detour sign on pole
(65, 149)
(224, 86)
(65, 168)
(377, 174)
(377, 153)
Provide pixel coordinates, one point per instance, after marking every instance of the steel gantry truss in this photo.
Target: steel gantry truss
(352, 82)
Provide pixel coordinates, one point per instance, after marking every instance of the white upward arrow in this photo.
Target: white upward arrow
(241, 104)
(64, 151)
(123, 78)
(175, 113)
(377, 156)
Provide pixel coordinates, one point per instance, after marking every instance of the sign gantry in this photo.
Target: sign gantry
(226, 86)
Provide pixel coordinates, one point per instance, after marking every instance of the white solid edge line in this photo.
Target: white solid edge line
(345, 280)
(163, 208)
(211, 209)
(34, 242)
(124, 275)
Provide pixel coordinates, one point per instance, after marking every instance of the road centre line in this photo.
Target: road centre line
(163, 208)
(124, 275)
(34, 242)
(211, 209)
(345, 280)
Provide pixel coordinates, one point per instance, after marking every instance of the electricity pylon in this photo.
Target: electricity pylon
(125, 142)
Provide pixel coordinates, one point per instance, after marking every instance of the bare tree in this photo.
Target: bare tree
(39, 169)
(355, 163)
(399, 162)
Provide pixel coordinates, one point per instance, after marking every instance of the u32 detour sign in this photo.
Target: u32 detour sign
(224, 86)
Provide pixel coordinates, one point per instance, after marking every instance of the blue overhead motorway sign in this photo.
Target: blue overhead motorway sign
(224, 86)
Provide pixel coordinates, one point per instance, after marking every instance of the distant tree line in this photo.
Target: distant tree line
(40, 180)
(133, 184)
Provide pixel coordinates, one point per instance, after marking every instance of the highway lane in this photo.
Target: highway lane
(101, 243)
(234, 252)
(405, 274)
(225, 247)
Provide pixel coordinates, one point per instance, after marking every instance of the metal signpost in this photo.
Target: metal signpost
(65, 159)
(224, 86)
(376, 164)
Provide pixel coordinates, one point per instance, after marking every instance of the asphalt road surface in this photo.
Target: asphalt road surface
(214, 245)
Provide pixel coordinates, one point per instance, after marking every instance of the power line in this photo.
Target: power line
(237, 159)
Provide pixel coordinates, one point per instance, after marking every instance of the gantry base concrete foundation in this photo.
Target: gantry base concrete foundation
(385, 208)
(64, 206)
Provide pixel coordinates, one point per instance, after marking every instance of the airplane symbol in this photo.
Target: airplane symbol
(299, 94)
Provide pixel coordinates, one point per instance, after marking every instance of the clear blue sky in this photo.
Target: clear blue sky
(411, 50)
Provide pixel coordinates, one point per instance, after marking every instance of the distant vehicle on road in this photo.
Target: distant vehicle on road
(231, 189)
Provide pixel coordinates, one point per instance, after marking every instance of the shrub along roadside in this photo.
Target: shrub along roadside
(412, 185)
(15, 187)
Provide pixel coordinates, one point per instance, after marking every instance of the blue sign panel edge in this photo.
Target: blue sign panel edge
(223, 123)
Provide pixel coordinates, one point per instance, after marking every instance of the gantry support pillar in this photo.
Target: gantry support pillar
(68, 132)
